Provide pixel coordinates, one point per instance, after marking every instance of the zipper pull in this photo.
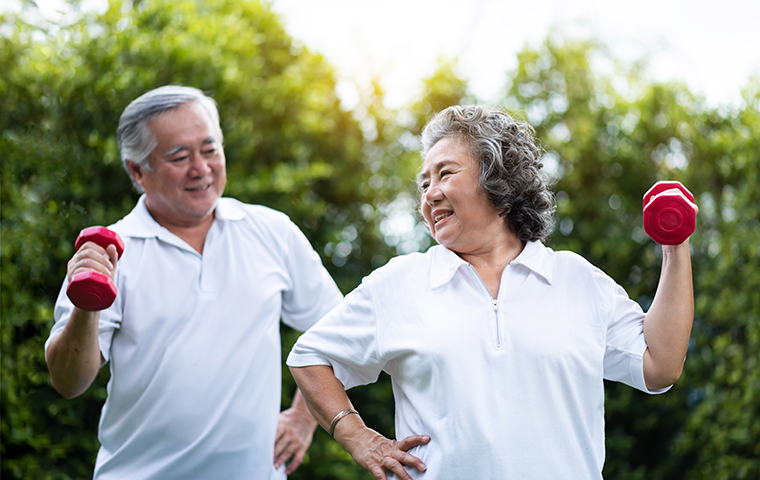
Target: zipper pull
(495, 301)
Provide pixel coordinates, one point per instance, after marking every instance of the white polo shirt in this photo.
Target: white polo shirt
(193, 344)
(506, 389)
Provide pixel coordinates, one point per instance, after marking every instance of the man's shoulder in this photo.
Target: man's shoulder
(235, 210)
(234, 207)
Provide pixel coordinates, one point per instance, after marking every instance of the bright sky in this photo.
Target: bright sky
(713, 46)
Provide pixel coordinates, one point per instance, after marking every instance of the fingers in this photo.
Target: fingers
(93, 257)
(285, 451)
(291, 441)
(283, 445)
(113, 254)
(409, 460)
(379, 473)
(395, 463)
(296, 461)
(413, 441)
(381, 454)
(288, 447)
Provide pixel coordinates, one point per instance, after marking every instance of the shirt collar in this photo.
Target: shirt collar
(445, 263)
(536, 257)
(139, 223)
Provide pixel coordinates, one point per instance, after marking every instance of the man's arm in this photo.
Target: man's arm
(667, 325)
(295, 430)
(73, 357)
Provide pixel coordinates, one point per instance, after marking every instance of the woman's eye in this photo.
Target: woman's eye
(424, 185)
(180, 159)
(444, 173)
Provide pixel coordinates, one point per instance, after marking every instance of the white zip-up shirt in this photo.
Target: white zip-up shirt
(193, 344)
(506, 388)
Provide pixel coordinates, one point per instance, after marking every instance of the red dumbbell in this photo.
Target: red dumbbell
(669, 216)
(94, 291)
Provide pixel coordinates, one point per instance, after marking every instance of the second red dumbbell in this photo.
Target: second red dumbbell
(669, 216)
(94, 291)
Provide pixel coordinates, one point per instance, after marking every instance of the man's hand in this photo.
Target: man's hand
(295, 430)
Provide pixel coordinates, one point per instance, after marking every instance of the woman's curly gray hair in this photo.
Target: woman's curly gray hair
(510, 164)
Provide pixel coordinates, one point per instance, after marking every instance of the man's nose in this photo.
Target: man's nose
(199, 166)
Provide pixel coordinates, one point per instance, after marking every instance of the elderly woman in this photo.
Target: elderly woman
(497, 346)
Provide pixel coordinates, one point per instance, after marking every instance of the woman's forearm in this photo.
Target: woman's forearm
(323, 393)
(667, 325)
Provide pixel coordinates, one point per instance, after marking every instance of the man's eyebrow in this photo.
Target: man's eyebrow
(178, 148)
(175, 149)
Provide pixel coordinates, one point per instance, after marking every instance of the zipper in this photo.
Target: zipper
(498, 325)
(495, 303)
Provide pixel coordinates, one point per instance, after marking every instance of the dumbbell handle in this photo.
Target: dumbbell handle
(92, 290)
(670, 214)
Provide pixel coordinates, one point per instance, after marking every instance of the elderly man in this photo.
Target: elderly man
(192, 339)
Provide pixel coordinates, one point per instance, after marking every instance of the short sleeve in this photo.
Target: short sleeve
(109, 320)
(313, 292)
(345, 339)
(625, 345)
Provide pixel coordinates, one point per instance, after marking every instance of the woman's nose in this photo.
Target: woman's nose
(433, 194)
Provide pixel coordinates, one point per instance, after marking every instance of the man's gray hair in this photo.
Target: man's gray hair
(136, 141)
(510, 164)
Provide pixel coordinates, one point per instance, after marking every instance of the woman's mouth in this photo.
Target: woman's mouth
(441, 216)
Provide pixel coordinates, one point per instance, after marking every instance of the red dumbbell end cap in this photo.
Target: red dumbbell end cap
(102, 236)
(670, 218)
(91, 291)
(663, 185)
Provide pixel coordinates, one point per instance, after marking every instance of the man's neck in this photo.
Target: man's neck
(195, 235)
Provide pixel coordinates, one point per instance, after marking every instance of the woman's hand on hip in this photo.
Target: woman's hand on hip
(377, 454)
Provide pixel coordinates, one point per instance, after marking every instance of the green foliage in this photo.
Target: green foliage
(288, 142)
(608, 139)
(347, 178)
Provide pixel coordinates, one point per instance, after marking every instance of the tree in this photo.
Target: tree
(347, 179)
(289, 145)
(608, 139)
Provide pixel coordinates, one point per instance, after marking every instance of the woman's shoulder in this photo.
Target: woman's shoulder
(575, 267)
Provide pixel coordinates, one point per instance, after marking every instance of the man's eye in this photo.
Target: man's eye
(210, 151)
(180, 159)
(424, 185)
(444, 173)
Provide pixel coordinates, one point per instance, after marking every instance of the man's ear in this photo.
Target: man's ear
(136, 172)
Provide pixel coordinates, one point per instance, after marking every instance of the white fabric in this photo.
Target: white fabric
(194, 344)
(511, 389)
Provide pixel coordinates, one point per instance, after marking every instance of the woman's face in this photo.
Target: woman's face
(457, 212)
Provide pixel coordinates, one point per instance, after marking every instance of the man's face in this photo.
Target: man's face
(187, 173)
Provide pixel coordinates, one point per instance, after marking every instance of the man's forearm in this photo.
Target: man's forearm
(299, 403)
(73, 357)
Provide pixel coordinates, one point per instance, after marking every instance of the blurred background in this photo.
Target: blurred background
(321, 104)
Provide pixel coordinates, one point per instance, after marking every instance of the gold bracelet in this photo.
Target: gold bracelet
(338, 418)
